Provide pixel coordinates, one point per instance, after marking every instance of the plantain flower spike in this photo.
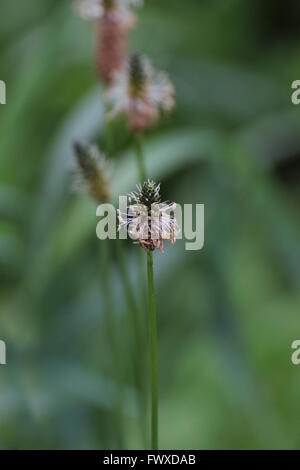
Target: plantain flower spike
(92, 171)
(149, 221)
(140, 93)
(114, 19)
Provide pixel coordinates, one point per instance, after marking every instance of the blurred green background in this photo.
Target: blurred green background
(227, 315)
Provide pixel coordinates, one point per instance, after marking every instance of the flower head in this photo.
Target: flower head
(114, 19)
(147, 219)
(92, 171)
(140, 93)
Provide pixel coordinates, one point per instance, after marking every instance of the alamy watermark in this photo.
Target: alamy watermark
(295, 97)
(2, 92)
(166, 221)
(2, 353)
(295, 357)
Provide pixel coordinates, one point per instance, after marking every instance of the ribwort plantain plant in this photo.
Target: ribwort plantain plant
(93, 176)
(148, 221)
(141, 93)
(135, 89)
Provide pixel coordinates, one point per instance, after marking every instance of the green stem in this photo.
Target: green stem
(138, 139)
(153, 354)
(136, 332)
(140, 159)
(142, 287)
(105, 267)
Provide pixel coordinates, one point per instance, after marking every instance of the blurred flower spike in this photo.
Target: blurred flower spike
(149, 221)
(115, 18)
(140, 93)
(92, 174)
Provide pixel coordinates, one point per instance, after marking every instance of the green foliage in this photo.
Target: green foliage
(227, 315)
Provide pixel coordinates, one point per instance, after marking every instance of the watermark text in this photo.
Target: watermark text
(164, 221)
(2, 92)
(2, 353)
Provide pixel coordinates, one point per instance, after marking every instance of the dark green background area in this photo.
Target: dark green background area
(227, 315)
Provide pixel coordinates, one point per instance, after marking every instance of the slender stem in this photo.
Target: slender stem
(136, 332)
(153, 354)
(109, 310)
(142, 177)
(140, 159)
(132, 307)
(142, 286)
(138, 140)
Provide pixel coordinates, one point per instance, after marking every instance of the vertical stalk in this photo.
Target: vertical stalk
(153, 353)
(133, 311)
(142, 177)
(142, 287)
(140, 159)
(138, 141)
(136, 330)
